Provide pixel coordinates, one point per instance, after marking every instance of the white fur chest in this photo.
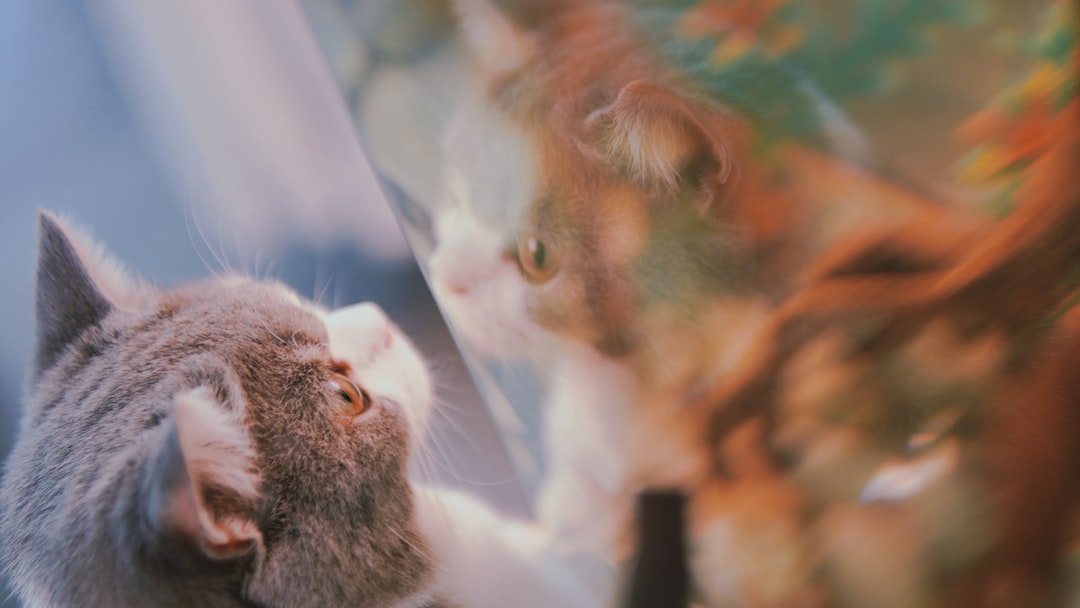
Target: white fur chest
(604, 444)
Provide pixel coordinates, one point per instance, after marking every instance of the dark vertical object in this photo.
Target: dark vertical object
(660, 578)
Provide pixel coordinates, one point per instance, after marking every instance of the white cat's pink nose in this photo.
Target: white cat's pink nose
(446, 274)
(460, 276)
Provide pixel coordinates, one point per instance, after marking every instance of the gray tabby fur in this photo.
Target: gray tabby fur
(96, 503)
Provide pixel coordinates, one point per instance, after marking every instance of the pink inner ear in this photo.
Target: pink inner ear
(224, 538)
(230, 538)
(217, 452)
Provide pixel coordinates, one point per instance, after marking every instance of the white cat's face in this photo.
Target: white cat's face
(487, 186)
(480, 287)
(577, 229)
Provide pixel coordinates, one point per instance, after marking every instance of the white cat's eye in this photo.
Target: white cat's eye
(355, 400)
(538, 260)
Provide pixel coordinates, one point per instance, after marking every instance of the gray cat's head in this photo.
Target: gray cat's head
(224, 443)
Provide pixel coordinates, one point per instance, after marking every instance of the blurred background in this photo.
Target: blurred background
(194, 136)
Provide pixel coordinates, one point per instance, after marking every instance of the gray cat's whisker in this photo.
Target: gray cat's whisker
(255, 271)
(265, 325)
(441, 457)
(240, 252)
(339, 295)
(460, 478)
(218, 256)
(271, 266)
(440, 452)
(419, 549)
(322, 292)
(436, 437)
(454, 425)
(450, 405)
(224, 252)
(423, 463)
(188, 219)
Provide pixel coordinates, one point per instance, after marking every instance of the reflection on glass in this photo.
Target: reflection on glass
(810, 263)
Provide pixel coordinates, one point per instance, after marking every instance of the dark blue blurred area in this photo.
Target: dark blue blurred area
(68, 144)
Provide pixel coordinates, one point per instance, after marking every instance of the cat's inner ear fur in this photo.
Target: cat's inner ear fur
(200, 489)
(78, 284)
(660, 138)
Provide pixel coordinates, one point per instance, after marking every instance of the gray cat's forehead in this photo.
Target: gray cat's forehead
(246, 323)
(245, 302)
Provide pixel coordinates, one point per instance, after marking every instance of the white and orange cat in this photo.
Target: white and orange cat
(603, 217)
(593, 218)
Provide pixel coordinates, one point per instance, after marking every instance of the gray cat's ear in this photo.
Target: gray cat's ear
(77, 286)
(656, 133)
(203, 475)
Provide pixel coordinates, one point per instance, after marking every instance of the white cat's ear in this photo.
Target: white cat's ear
(78, 284)
(498, 44)
(202, 476)
(656, 133)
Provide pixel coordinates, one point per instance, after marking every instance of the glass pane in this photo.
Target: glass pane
(780, 255)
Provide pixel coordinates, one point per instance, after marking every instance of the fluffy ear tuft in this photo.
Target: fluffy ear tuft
(78, 284)
(656, 133)
(204, 469)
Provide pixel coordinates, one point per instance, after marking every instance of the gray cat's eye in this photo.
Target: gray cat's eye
(355, 400)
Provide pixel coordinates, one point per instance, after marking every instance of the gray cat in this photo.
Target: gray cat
(229, 444)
